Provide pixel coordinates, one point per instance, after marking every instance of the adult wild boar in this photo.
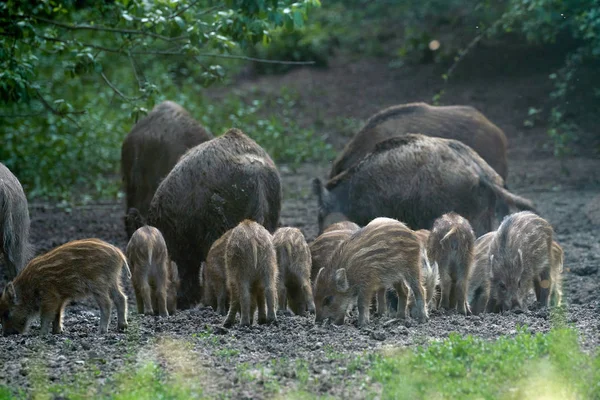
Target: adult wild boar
(14, 223)
(151, 149)
(416, 179)
(463, 123)
(210, 190)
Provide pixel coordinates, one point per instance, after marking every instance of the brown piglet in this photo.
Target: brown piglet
(479, 277)
(251, 269)
(383, 254)
(214, 278)
(450, 246)
(294, 262)
(73, 271)
(152, 271)
(520, 258)
(322, 249)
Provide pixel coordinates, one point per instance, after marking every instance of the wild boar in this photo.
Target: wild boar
(462, 123)
(322, 249)
(212, 188)
(251, 268)
(294, 262)
(215, 278)
(479, 277)
(384, 254)
(556, 274)
(416, 179)
(152, 271)
(521, 259)
(14, 223)
(450, 246)
(341, 226)
(172, 288)
(73, 271)
(151, 149)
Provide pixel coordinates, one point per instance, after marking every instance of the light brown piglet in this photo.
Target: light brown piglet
(152, 272)
(384, 254)
(294, 262)
(73, 271)
(479, 277)
(450, 246)
(342, 226)
(251, 269)
(322, 249)
(520, 258)
(214, 278)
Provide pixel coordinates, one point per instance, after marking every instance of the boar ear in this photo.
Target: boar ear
(341, 280)
(10, 292)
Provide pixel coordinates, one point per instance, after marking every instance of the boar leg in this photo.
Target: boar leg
(381, 308)
(234, 308)
(146, 298)
(271, 297)
(57, 324)
(245, 304)
(446, 287)
(402, 292)
(363, 303)
(282, 297)
(221, 302)
(460, 290)
(47, 313)
(545, 283)
(418, 310)
(308, 295)
(105, 305)
(259, 300)
(139, 301)
(161, 302)
(120, 300)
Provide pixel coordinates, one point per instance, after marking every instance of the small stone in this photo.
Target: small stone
(61, 358)
(79, 362)
(378, 335)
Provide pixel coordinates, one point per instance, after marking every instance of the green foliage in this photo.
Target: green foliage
(545, 365)
(76, 75)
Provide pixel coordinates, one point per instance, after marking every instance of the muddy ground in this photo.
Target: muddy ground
(264, 361)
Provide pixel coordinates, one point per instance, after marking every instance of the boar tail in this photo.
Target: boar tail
(516, 202)
(126, 265)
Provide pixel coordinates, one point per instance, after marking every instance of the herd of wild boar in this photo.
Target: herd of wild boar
(416, 215)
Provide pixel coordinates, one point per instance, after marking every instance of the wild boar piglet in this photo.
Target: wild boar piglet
(251, 268)
(556, 274)
(450, 246)
(520, 258)
(152, 271)
(479, 276)
(294, 263)
(214, 284)
(73, 271)
(323, 248)
(384, 254)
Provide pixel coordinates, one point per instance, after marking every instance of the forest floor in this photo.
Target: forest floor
(297, 355)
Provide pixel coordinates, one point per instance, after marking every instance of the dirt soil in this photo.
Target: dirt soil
(262, 361)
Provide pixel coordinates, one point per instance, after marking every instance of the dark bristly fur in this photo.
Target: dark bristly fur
(463, 123)
(521, 259)
(213, 187)
(450, 246)
(152, 272)
(384, 254)
(214, 276)
(14, 223)
(251, 268)
(73, 271)
(416, 179)
(479, 278)
(294, 262)
(151, 149)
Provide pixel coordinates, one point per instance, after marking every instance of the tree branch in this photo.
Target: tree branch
(54, 111)
(118, 92)
(107, 29)
(230, 56)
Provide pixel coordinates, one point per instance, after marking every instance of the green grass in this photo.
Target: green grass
(550, 366)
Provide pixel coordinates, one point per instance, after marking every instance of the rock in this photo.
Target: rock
(378, 335)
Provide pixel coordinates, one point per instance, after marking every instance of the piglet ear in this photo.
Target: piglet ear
(341, 280)
(10, 293)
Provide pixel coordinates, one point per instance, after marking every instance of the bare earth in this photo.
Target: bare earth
(260, 361)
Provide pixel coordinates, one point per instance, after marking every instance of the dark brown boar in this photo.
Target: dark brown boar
(450, 246)
(212, 188)
(479, 278)
(14, 223)
(215, 278)
(462, 123)
(416, 179)
(341, 226)
(520, 258)
(151, 271)
(556, 271)
(384, 254)
(294, 263)
(322, 249)
(251, 268)
(150, 151)
(73, 271)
